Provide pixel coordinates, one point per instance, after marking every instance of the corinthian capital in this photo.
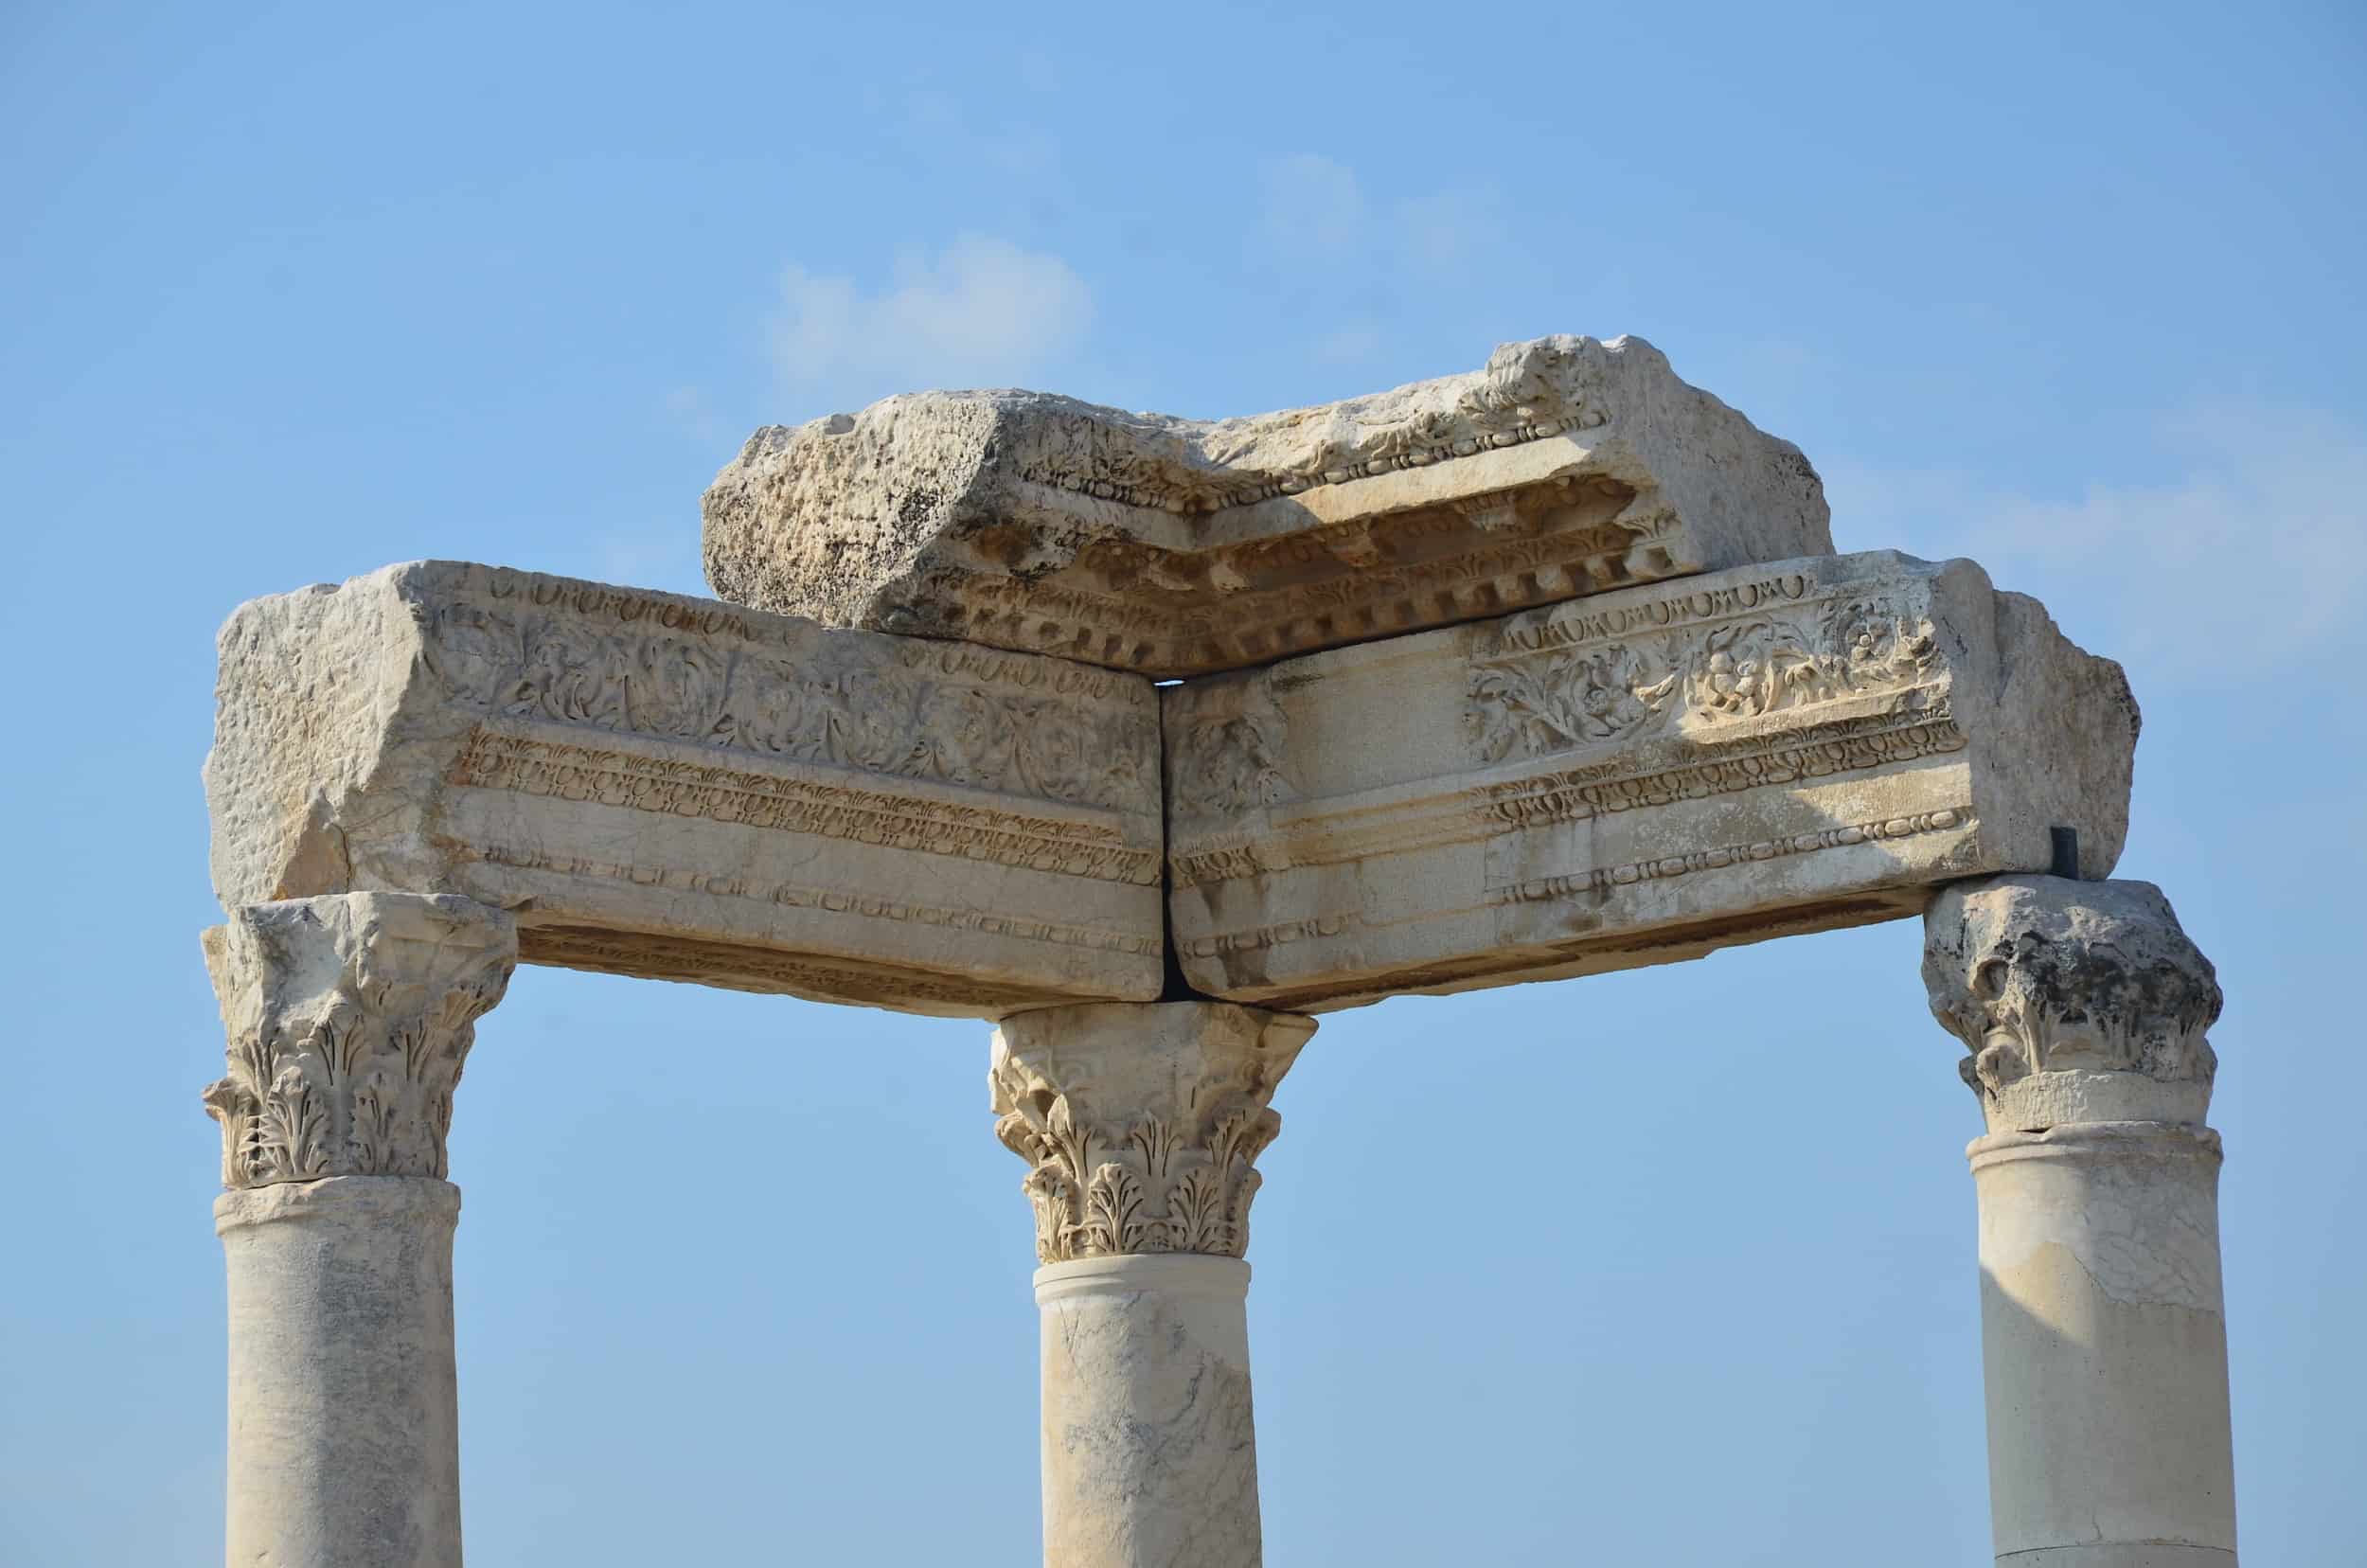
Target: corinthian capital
(348, 1017)
(1139, 1122)
(2079, 1001)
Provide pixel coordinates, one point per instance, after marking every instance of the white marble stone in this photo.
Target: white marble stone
(344, 1422)
(1139, 1124)
(2078, 1002)
(2104, 1334)
(349, 1019)
(1172, 546)
(1150, 1446)
(685, 789)
(1632, 778)
(2104, 1337)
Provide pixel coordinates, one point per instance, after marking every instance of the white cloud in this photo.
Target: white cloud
(1349, 345)
(1318, 224)
(2254, 545)
(983, 313)
(1311, 206)
(1447, 230)
(688, 409)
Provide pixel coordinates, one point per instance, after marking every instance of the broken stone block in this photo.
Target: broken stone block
(671, 787)
(1639, 776)
(1178, 547)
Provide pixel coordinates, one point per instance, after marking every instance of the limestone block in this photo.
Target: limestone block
(670, 787)
(1177, 547)
(1626, 779)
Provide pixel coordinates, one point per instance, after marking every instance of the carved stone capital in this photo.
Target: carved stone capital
(2079, 1001)
(1139, 1122)
(348, 1017)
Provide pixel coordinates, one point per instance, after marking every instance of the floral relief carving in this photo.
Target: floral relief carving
(1228, 753)
(1093, 1194)
(845, 706)
(1122, 1160)
(349, 1017)
(1534, 704)
(1533, 709)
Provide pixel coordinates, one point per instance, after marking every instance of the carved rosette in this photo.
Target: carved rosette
(2079, 1001)
(1141, 1123)
(349, 1018)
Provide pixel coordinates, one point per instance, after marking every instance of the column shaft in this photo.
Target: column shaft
(1140, 1124)
(1149, 1447)
(349, 1017)
(2104, 1340)
(345, 1443)
(2103, 1326)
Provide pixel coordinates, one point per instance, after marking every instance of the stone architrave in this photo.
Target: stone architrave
(348, 1019)
(1177, 547)
(1632, 778)
(1141, 1125)
(691, 790)
(2086, 1010)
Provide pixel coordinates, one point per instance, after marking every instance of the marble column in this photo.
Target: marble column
(348, 1017)
(2104, 1336)
(1140, 1123)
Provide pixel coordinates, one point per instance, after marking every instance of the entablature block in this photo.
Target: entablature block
(1565, 466)
(677, 788)
(1639, 776)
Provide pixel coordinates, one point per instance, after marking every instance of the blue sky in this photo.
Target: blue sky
(1670, 1267)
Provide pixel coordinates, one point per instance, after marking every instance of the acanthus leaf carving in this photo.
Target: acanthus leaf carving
(349, 1017)
(1148, 1150)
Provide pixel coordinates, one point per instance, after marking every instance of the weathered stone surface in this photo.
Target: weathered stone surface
(1149, 1426)
(2103, 1321)
(345, 1424)
(2104, 1347)
(675, 788)
(2079, 1001)
(1141, 1125)
(348, 1019)
(1176, 548)
(1623, 780)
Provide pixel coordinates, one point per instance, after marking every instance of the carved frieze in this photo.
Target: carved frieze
(1141, 1125)
(2075, 1001)
(1640, 776)
(1538, 703)
(954, 715)
(1226, 755)
(1167, 546)
(712, 780)
(348, 1020)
